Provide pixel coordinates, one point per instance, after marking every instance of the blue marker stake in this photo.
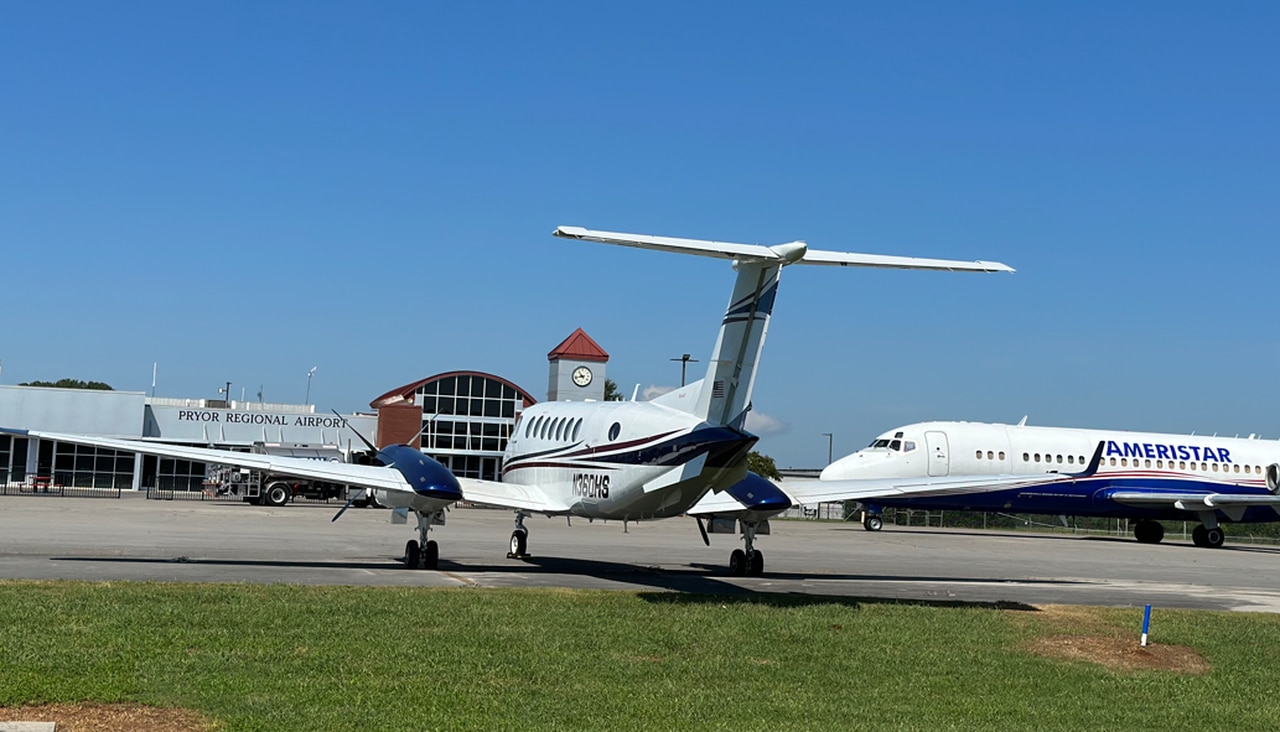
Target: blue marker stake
(1146, 625)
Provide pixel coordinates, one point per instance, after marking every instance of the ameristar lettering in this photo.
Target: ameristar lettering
(1168, 452)
(587, 485)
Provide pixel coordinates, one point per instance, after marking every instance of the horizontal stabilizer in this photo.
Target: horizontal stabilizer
(790, 253)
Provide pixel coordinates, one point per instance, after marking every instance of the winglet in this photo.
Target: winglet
(1093, 464)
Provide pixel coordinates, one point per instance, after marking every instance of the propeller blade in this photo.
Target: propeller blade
(703, 530)
(345, 506)
(363, 439)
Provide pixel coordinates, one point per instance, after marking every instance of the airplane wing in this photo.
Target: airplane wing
(1194, 501)
(780, 253)
(364, 476)
(822, 491)
(517, 496)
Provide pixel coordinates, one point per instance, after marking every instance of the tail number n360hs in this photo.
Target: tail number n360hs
(588, 485)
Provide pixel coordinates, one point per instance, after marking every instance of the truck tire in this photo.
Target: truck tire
(277, 494)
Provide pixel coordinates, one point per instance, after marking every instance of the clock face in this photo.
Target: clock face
(582, 376)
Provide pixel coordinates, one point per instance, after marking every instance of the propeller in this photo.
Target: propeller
(363, 439)
(344, 508)
(373, 452)
(701, 529)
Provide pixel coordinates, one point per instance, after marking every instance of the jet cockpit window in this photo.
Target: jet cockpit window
(896, 445)
(908, 446)
(614, 430)
(879, 443)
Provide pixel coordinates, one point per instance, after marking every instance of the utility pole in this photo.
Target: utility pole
(684, 362)
(310, 373)
(829, 439)
(226, 392)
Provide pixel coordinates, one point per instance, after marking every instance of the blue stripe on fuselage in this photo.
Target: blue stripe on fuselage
(1087, 497)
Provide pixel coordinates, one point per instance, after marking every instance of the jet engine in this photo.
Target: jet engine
(1273, 478)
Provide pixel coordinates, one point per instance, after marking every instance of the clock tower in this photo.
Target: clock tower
(577, 369)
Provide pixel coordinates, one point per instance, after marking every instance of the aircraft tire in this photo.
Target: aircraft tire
(412, 554)
(755, 566)
(431, 557)
(1214, 538)
(519, 544)
(738, 563)
(1148, 531)
(872, 522)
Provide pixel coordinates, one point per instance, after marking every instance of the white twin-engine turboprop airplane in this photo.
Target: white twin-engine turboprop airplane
(1147, 477)
(627, 461)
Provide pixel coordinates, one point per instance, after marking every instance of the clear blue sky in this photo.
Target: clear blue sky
(241, 191)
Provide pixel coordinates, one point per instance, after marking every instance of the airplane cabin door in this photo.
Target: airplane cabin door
(939, 454)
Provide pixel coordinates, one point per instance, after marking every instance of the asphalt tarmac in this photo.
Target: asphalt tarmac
(133, 538)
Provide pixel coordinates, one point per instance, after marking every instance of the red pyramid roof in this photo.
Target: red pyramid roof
(578, 346)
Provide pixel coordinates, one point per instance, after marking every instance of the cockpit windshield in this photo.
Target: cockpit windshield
(895, 444)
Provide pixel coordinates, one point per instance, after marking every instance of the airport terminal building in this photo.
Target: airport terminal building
(461, 418)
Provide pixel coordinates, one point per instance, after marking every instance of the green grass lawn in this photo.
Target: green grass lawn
(278, 657)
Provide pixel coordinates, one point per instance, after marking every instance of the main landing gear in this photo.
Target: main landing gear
(1147, 531)
(872, 522)
(747, 562)
(519, 548)
(1210, 538)
(422, 553)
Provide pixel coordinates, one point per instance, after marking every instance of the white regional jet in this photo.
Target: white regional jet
(1146, 477)
(628, 461)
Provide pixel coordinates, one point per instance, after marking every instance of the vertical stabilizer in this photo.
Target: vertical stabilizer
(731, 372)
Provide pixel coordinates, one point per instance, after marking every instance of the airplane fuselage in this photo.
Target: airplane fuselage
(623, 460)
(1130, 461)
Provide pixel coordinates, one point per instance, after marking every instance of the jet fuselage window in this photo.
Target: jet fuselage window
(1026, 457)
(978, 454)
(614, 431)
(1002, 454)
(577, 427)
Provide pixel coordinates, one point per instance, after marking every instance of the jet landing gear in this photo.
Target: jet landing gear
(1208, 538)
(872, 522)
(422, 553)
(1208, 534)
(1147, 531)
(748, 562)
(519, 548)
